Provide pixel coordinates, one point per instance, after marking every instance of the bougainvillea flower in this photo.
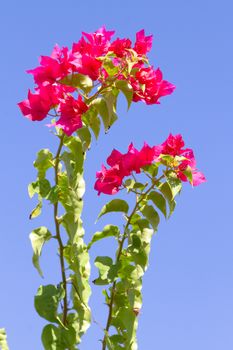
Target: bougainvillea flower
(87, 65)
(174, 146)
(154, 86)
(71, 114)
(99, 40)
(36, 106)
(148, 155)
(48, 72)
(198, 178)
(123, 165)
(108, 180)
(120, 47)
(143, 43)
(189, 162)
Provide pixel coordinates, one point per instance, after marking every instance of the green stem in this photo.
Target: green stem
(121, 245)
(58, 234)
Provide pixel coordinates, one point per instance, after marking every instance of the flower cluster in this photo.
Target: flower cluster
(103, 62)
(170, 153)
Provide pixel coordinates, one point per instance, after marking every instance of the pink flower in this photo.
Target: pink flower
(87, 65)
(36, 106)
(122, 165)
(198, 178)
(108, 180)
(71, 114)
(173, 145)
(148, 155)
(143, 43)
(120, 47)
(48, 72)
(154, 86)
(114, 158)
(98, 42)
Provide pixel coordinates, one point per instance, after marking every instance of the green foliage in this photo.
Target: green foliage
(43, 162)
(92, 120)
(85, 137)
(159, 201)
(108, 231)
(175, 183)
(38, 237)
(3, 340)
(58, 338)
(151, 215)
(166, 190)
(47, 301)
(79, 81)
(115, 205)
(126, 89)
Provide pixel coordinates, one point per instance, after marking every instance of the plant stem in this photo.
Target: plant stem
(58, 234)
(121, 245)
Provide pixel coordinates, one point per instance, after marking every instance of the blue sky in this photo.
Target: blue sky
(188, 289)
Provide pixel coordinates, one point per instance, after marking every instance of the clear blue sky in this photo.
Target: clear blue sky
(188, 289)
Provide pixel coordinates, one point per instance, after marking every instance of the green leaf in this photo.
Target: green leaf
(151, 214)
(139, 186)
(126, 89)
(103, 263)
(47, 300)
(111, 99)
(116, 205)
(108, 231)
(38, 237)
(129, 184)
(43, 162)
(110, 67)
(36, 211)
(167, 192)
(188, 173)
(58, 338)
(101, 106)
(152, 169)
(159, 201)
(92, 120)
(175, 184)
(78, 80)
(3, 339)
(85, 137)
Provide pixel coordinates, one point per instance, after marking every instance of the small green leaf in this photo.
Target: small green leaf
(58, 338)
(110, 67)
(101, 106)
(159, 201)
(152, 169)
(151, 214)
(78, 80)
(3, 340)
(47, 300)
(167, 192)
(116, 205)
(188, 173)
(111, 100)
(175, 184)
(103, 263)
(85, 137)
(129, 184)
(139, 186)
(108, 231)
(38, 237)
(43, 162)
(36, 211)
(92, 120)
(126, 89)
